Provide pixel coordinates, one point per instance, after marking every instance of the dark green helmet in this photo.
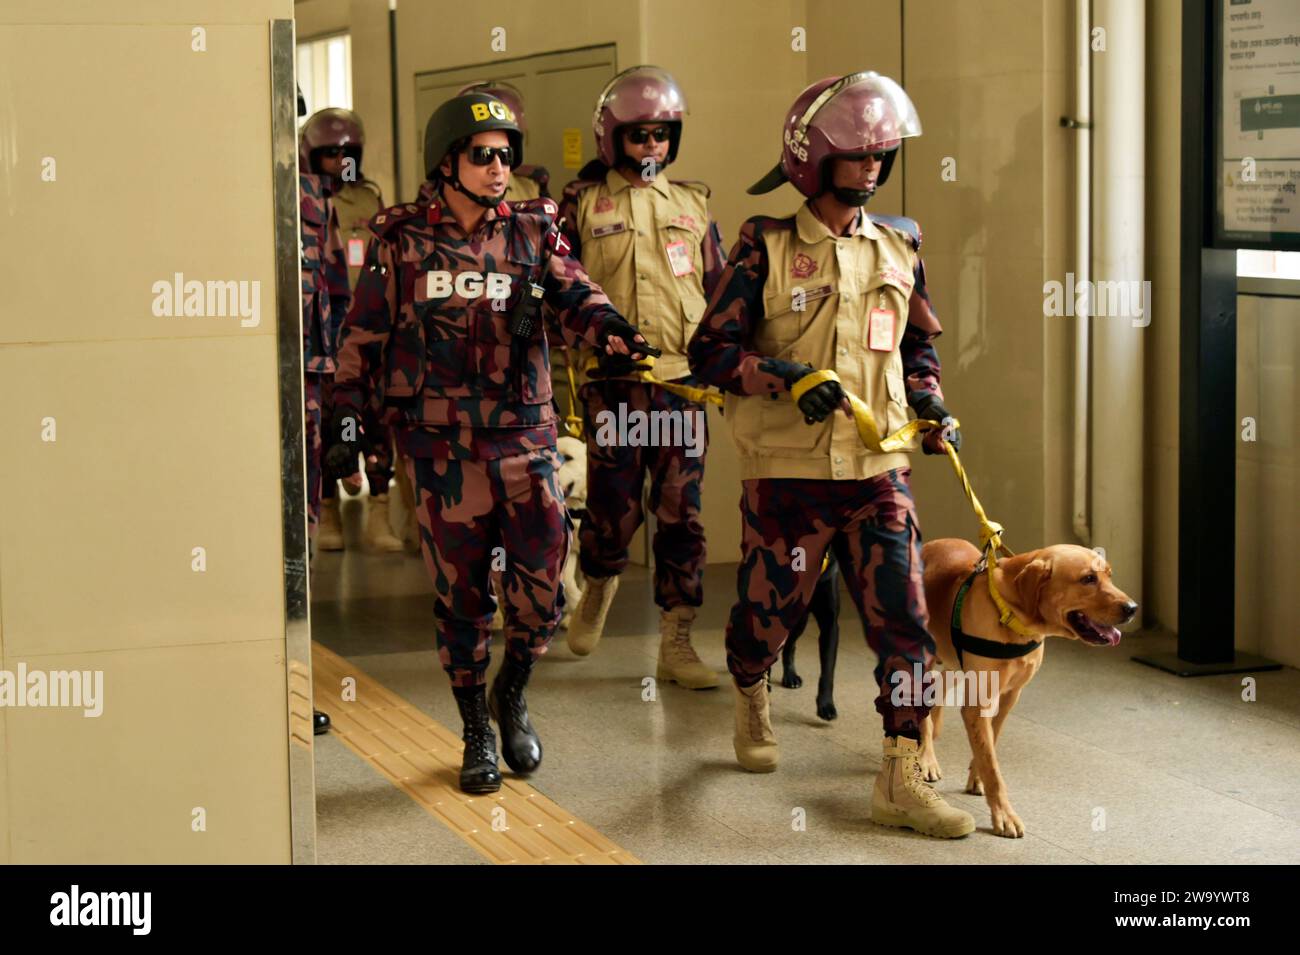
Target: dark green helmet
(460, 118)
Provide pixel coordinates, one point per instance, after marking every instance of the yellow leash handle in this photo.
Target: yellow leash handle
(645, 375)
(868, 431)
(572, 420)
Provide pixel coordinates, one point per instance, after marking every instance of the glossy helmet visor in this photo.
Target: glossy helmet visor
(640, 94)
(855, 114)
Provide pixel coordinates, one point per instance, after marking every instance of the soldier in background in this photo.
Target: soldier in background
(447, 326)
(834, 288)
(652, 245)
(334, 140)
(325, 296)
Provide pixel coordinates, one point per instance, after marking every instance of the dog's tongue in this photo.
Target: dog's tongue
(1109, 634)
(1095, 633)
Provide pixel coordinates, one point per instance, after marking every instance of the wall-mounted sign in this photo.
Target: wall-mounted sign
(572, 148)
(1258, 122)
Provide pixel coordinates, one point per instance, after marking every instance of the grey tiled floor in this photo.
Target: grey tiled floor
(1179, 770)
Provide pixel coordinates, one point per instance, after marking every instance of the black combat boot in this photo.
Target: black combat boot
(478, 769)
(519, 743)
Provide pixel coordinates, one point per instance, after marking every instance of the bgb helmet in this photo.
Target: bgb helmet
(508, 93)
(457, 120)
(850, 116)
(331, 127)
(640, 94)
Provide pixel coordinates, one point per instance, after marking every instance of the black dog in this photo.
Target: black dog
(825, 608)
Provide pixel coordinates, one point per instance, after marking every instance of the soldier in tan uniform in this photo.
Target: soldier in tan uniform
(652, 246)
(335, 140)
(831, 289)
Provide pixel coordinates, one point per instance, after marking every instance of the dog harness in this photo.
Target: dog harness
(978, 645)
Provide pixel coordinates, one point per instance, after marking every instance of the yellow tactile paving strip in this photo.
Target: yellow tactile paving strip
(422, 758)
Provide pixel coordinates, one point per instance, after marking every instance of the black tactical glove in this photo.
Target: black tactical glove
(931, 409)
(347, 441)
(819, 403)
(618, 328)
(616, 366)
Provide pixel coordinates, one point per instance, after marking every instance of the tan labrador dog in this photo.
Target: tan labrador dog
(1059, 591)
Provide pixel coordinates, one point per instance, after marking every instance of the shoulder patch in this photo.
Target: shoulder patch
(903, 224)
(387, 219)
(579, 185)
(693, 184)
(760, 224)
(538, 206)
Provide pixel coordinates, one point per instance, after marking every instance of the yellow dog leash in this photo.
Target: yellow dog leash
(990, 531)
(869, 432)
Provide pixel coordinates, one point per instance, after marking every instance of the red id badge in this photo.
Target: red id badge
(679, 257)
(880, 334)
(356, 252)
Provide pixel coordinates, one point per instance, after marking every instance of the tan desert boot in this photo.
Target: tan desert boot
(589, 619)
(678, 660)
(379, 536)
(329, 533)
(902, 798)
(755, 742)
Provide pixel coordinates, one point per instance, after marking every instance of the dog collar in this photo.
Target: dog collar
(978, 645)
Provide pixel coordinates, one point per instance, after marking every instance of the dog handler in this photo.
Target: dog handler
(437, 326)
(830, 288)
(655, 250)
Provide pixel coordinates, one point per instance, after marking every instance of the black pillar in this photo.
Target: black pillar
(1208, 427)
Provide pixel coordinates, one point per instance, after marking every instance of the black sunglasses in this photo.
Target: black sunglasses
(482, 155)
(859, 157)
(639, 136)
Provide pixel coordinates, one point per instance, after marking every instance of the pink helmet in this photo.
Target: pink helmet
(640, 94)
(854, 114)
(331, 127)
(508, 93)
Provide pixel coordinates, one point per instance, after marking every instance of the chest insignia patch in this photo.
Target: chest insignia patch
(803, 266)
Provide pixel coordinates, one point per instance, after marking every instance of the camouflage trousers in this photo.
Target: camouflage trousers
(380, 436)
(312, 433)
(872, 526)
(480, 516)
(616, 475)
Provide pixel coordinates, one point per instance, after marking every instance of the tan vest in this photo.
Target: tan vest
(643, 246)
(839, 280)
(356, 204)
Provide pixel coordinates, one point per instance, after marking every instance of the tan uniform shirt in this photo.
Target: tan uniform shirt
(655, 252)
(356, 204)
(796, 293)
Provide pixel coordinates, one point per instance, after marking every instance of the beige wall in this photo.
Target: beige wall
(166, 436)
(1268, 477)
(1163, 212)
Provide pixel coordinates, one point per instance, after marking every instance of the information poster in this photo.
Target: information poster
(1259, 123)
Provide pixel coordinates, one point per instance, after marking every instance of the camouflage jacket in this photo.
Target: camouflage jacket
(325, 292)
(428, 329)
